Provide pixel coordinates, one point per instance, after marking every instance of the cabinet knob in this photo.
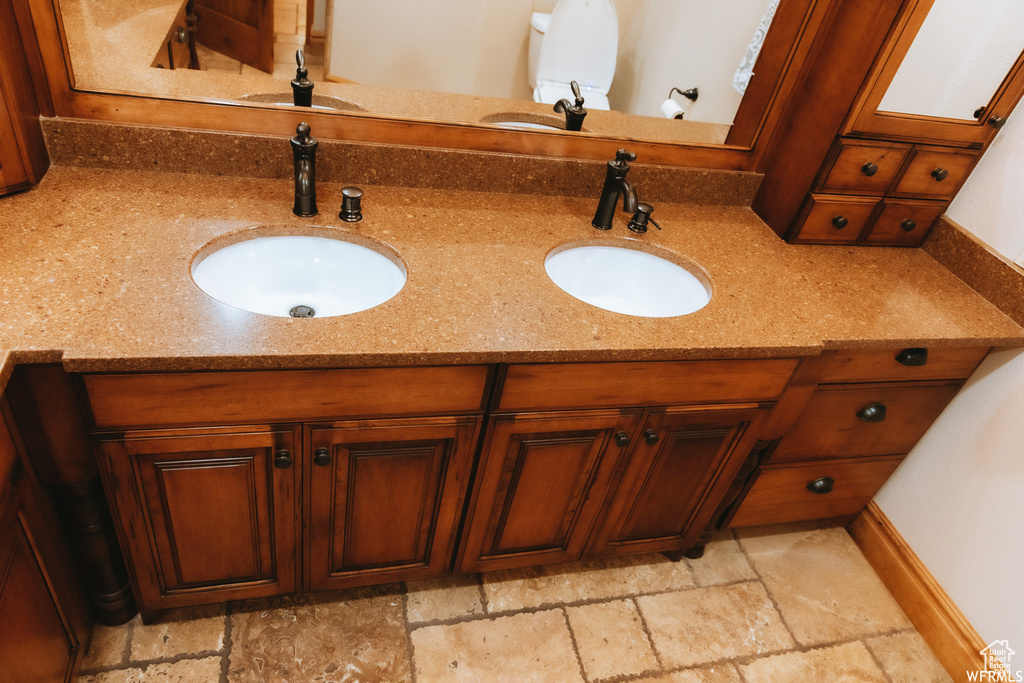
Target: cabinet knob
(823, 485)
(940, 174)
(651, 436)
(997, 122)
(912, 357)
(622, 439)
(908, 224)
(869, 169)
(840, 222)
(321, 457)
(282, 459)
(872, 413)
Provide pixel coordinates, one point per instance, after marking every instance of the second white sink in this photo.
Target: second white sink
(628, 281)
(299, 276)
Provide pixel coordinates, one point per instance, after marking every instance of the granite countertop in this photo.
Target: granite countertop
(98, 264)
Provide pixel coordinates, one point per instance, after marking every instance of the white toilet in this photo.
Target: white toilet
(579, 42)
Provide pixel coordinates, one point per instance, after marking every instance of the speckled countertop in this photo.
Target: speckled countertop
(97, 267)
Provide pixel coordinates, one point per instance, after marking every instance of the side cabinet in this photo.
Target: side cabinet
(44, 621)
(208, 515)
(385, 498)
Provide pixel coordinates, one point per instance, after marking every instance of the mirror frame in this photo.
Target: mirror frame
(763, 108)
(867, 120)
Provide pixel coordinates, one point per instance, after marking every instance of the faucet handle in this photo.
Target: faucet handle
(624, 155)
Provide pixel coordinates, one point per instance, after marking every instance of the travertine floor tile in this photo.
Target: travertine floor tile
(823, 586)
(709, 624)
(344, 635)
(189, 630)
(450, 597)
(720, 673)
(108, 646)
(521, 648)
(616, 577)
(184, 671)
(723, 562)
(611, 639)
(850, 663)
(906, 658)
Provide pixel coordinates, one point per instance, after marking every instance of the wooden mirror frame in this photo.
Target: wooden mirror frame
(867, 120)
(786, 55)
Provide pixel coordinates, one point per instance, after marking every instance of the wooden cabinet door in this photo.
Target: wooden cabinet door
(385, 498)
(206, 515)
(541, 482)
(684, 461)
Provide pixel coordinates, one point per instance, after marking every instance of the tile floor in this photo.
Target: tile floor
(762, 606)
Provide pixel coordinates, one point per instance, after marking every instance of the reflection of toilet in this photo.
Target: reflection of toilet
(579, 42)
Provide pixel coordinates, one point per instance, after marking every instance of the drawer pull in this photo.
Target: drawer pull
(622, 439)
(282, 460)
(940, 174)
(651, 436)
(912, 357)
(869, 169)
(872, 413)
(321, 457)
(997, 122)
(908, 224)
(840, 222)
(823, 485)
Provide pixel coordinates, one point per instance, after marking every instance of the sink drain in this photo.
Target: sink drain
(302, 312)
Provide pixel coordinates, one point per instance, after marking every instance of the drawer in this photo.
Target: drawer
(781, 494)
(935, 172)
(904, 222)
(864, 166)
(881, 365)
(613, 385)
(834, 219)
(190, 398)
(865, 419)
(8, 458)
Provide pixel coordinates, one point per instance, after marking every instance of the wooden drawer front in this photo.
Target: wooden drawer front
(828, 212)
(611, 385)
(830, 426)
(904, 221)
(856, 159)
(8, 458)
(881, 365)
(281, 396)
(780, 494)
(923, 173)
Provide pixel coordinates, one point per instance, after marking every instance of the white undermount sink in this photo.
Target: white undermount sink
(629, 281)
(298, 275)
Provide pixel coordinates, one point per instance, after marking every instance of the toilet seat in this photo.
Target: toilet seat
(581, 44)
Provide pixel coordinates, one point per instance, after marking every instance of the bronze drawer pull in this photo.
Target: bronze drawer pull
(651, 436)
(282, 460)
(872, 413)
(997, 122)
(908, 224)
(912, 357)
(622, 439)
(869, 169)
(840, 222)
(823, 485)
(940, 174)
(321, 457)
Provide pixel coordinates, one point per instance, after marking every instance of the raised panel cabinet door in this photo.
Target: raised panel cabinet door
(206, 515)
(540, 485)
(682, 466)
(37, 642)
(385, 498)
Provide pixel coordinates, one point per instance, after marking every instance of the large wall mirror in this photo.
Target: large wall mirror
(955, 73)
(462, 62)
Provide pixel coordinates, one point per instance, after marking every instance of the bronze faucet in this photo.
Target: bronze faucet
(304, 150)
(615, 184)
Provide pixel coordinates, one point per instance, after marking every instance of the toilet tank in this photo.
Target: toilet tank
(539, 22)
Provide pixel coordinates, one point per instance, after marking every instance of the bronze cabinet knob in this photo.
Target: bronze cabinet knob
(940, 174)
(651, 436)
(622, 439)
(912, 357)
(823, 485)
(872, 413)
(282, 459)
(997, 122)
(908, 224)
(869, 169)
(321, 457)
(840, 222)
